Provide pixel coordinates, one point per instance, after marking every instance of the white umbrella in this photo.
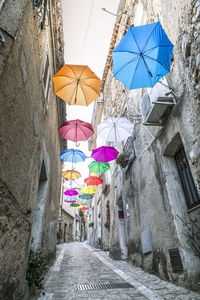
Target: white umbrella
(115, 129)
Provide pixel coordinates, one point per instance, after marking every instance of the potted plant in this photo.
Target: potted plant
(123, 159)
(91, 224)
(107, 225)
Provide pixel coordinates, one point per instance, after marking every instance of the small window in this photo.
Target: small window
(175, 260)
(120, 214)
(187, 182)
(46, 81)
(108, 211)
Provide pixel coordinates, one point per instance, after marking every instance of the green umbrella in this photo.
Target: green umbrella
(99, 167)
(75, 205)
(86, 196)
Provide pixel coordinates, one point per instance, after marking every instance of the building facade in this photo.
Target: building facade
(31, 51)
(155, 197)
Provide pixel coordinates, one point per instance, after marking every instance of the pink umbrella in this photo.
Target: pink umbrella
(76, 130)
(71, 192)
(93, 180)
(104, 154)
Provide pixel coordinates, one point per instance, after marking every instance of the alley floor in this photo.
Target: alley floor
(79, 264)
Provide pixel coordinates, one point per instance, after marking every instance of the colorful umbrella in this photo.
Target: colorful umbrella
(70, 199)
(104, 154)
(115, 129)
(71, 174)
(143, 56)
(76, 205)
(73, 155)
(92, 173)
(82, 203)
(86, 196)
(77, 85)
(93, 180)
(76, 130)
(71, 192)
(88, 190)
(84, 208)
(99, 167)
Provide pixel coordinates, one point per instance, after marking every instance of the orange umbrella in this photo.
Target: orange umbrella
(77, 85)
(71, 174)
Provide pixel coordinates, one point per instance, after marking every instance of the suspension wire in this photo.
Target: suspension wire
(86, 33)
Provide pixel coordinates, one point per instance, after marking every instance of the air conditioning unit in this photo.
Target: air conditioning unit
(156, 102)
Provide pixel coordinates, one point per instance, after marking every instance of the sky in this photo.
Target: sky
(87, 36)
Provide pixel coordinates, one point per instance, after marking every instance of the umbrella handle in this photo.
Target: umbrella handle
(77, 144)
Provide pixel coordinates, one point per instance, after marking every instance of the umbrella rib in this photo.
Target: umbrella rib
(135, 41)
(135, 70)
(72, 70)
(149, 36)
(146, 52)
(84, 94)
(156, 61)
(127, 64)
(89, 86)
(65, 86)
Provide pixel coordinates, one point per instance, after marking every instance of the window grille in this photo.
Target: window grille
(175, 260)
(187, 182)
(120, 214)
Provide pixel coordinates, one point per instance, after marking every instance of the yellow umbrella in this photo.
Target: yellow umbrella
(92, 173)
(71, 174)
(82, 203)
(88, 190)
(77, 85)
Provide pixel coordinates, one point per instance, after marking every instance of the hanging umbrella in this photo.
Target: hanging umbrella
(84, 208)
(104, 154)
(76, 205)
(71, 192)
(93, 173)
(88, 190)
(93, 180)
(143, 56)
(99, 167)
(76, 130)
(86, 196)
(82, 203)
(77, 85)
(115, 129)
(73, 155)
(70, 199)
(71, 174)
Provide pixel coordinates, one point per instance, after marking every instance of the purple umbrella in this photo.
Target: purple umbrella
(104, 154)
(71, 192)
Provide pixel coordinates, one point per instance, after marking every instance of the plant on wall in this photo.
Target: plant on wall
(107, 225)
(123, 159)
(91, 224)
(37, 268)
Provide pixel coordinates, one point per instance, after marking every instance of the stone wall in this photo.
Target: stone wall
(30, 146)
(150, 188)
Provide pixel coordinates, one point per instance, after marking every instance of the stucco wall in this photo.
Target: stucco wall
(29, 137)
(151, 187)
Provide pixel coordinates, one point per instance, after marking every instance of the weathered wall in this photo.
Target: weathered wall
(151, 186)
(28, 139)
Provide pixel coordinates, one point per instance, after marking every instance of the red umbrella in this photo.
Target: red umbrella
(93, 180)
(76, 130)
(84, 208)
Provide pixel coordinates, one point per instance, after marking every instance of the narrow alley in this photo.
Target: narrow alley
(82, 272)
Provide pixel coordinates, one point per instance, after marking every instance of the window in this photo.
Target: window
(175, 260)
(187, 182)
(108, 211)
(46, 80)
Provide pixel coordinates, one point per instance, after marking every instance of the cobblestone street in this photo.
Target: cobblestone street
(79, 264)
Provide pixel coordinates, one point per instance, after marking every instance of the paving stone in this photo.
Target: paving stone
(77, 264)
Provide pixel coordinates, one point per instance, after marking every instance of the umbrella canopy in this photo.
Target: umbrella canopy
(98, 167)
(76, 205)
(70, 199)
(93, 180)
(88, 190)
(115, 129)
(84, 208)
(76, 130)
(143, 56)
(71, 192)
(71, 175)
(86, 196)
(82, 203)
(104, 154)
(77, 85)
(73, 155)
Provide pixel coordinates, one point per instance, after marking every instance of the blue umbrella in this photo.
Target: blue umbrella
(71, 198)
(143, 56)
(73, 156)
